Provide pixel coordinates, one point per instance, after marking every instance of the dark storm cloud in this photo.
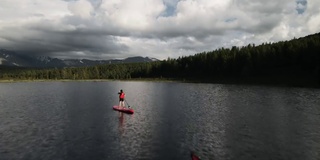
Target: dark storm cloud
(45, 39)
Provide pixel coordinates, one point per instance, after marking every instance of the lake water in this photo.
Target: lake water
(75, 121)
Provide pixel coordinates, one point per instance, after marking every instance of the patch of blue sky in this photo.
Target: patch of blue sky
(170, 11)
(171, 6)
(301, 6)
(228, 20)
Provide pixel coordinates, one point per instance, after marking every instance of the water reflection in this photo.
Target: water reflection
(121, 121)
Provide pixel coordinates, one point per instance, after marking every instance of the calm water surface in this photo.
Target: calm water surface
(75, 121)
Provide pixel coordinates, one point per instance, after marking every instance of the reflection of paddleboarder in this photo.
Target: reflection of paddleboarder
(121, 120)
(318, 75)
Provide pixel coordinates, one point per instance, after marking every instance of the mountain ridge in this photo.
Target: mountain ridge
(12, 59)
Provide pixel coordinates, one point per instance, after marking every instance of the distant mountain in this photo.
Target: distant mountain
(10, 58)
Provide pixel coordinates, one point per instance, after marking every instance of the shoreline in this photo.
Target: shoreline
(241, 81)
(84, 80)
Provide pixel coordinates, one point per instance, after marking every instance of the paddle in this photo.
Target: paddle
(127, 103)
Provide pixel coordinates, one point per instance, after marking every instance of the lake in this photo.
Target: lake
(75, 121)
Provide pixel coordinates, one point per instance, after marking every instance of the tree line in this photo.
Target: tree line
(287, 62)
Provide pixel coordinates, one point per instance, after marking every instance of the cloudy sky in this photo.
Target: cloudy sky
(105, 29)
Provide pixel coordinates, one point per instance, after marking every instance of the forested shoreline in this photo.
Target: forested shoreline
(292, 63)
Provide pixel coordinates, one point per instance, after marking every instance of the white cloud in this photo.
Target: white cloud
(154, 28)
(16, 10)
(313, 15)
(81, 8)
(136, 15)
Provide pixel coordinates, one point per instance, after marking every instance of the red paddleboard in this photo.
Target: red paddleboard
(124, 110)
(194, 157)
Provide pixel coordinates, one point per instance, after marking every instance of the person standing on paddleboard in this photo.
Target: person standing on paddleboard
(121, 98)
